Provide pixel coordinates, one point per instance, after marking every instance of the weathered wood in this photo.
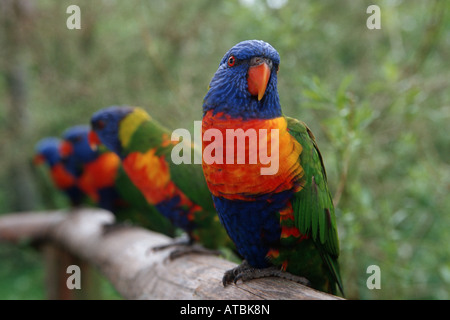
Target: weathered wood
(29, 225)
(56, 260)
(126, 258)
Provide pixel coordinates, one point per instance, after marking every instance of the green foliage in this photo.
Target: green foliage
(21, 273)
(376, 100)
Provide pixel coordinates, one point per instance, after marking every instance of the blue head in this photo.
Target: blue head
(245, 85)
(47, 150)
(105, 123)
(76, 146)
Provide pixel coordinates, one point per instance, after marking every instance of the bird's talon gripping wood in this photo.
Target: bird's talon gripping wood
(192, 249)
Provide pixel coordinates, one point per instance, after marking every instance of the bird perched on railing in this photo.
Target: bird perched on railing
(179, 192)
(62, 172)
(281, 217)
(95, 172)
(100, 175)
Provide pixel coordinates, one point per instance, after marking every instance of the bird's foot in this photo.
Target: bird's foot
(245, 272)
(115, 226)
(184, 246)
(190, 249)
(180, 241)
(230, 275)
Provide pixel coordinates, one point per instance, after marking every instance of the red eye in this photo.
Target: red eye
(99, 124)
(231, 61)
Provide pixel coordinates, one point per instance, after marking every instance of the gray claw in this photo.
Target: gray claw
(245, 272)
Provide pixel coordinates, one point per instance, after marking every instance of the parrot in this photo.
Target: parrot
(62, 174)
(101, 176)
(95, 173)
(178, 191)
(281, 218)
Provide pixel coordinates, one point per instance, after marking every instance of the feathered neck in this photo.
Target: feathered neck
(229, 94)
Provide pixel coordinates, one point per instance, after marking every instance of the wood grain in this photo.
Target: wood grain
(125, 256)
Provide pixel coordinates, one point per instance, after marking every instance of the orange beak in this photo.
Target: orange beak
(94, 140)
(258, 77)
(65, 149)
(38, 159)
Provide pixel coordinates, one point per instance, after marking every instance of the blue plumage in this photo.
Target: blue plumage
(49, 149)
(253, 226)
(110, 133)
(228, 88)
(79, 158)
(172, 210)
(77, 136)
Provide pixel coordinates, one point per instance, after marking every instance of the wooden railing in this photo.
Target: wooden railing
(125, 257)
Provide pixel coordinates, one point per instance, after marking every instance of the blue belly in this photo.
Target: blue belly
(176, 213)
(253, 226)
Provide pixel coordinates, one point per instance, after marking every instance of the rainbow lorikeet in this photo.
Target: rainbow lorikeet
(95, 173)
(62, 173)
(100, 175)
(179, 192)
(281, 217)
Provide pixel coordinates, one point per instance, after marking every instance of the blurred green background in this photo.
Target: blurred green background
(378, 102)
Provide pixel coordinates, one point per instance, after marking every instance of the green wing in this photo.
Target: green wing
(313, 205)
(191, 180)
(138, 210)
(188, 177)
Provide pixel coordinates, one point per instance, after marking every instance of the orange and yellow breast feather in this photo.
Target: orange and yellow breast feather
(245, 181)
(99, 174)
